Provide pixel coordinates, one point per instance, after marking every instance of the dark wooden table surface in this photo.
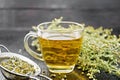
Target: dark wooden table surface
(18, 16)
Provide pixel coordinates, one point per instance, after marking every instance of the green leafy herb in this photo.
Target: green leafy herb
(100, 51)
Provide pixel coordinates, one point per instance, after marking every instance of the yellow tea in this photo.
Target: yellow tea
(60, 52)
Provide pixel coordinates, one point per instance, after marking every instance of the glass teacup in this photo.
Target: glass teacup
(60, 45)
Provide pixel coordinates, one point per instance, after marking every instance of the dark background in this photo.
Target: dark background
(18, 16)
(22, 14)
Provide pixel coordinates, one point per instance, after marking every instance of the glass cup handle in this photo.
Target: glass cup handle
(28, 49)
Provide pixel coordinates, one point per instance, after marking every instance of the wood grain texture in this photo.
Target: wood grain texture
(22, 14)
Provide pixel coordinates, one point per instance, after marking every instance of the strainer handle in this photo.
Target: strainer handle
(40, 75)
(44, 76)
(34, 78)
(2, 46)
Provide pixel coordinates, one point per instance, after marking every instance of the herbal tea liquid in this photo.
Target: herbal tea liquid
(60, 52)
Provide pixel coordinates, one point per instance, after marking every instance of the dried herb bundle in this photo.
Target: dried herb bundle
(100, 51)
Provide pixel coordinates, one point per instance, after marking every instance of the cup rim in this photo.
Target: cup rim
(81, 29)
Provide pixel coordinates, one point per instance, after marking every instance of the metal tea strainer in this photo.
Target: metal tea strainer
(10, 75)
